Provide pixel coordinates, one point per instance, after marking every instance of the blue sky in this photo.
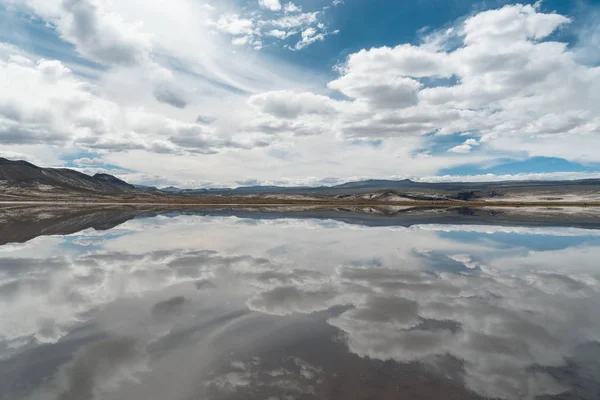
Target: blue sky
(206, 93)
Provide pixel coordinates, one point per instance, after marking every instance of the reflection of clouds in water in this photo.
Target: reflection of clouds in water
(490, 230)
(464, 259)
(580, 260)
(411, 295)
(293, 378)
(503, 325)
(507, 326)
(169, 308)
(41, 247)
(96, 370)
(88, 241)
(42, 299)
(285, 300)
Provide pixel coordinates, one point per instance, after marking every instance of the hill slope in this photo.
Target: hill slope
(21, 175)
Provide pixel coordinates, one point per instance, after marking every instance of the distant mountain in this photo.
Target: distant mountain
(22, 173)
(20, 179)
(172, 189)
(375, 183)
(147, 188)
(462, 189)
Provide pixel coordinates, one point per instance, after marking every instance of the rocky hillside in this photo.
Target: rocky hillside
(22, 173)
(20, 179)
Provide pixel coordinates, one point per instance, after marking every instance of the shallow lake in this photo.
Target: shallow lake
(216, 306)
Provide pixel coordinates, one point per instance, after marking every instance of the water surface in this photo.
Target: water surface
(235, 307)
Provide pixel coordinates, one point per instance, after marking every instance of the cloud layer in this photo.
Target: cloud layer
(505, 84)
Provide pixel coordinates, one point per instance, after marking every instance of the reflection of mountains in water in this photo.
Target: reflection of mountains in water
(19, 224)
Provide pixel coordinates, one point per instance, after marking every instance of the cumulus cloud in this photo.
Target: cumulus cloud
(506, 82)
(397, 93)
(234, 25)
(97, 33)
(461, 148)
(273, 5)
(511, 24)
(44, 102)
(198, 70)
(402, 60)
(170, 95)
(292, 8)
(290, 105)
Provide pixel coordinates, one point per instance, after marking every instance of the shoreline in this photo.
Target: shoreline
(299, 203)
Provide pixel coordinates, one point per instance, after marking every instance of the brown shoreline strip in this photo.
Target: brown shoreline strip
(249, 203)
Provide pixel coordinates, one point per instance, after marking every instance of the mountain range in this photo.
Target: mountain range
(382, 184)
(22, 180)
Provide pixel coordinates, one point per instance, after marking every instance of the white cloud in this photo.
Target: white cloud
(511, 177)
(402, 60)
(254, 28)
(510, 24)
(291, 8)
(381, 92)
(234, 25)
(273, 5)
(461, 148)
(88, 162)
(309, 36)
(295, 21)
(278, 33)
(290, 105)
(466, 147)
(45, 103)
(506, 83)
(97, 32)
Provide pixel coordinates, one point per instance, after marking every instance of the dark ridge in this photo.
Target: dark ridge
(25, 174)
(4, 161)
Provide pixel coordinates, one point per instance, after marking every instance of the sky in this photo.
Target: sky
(207, 93)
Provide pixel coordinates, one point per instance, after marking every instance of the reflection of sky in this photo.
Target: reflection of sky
(529, 241)
(251, 307)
